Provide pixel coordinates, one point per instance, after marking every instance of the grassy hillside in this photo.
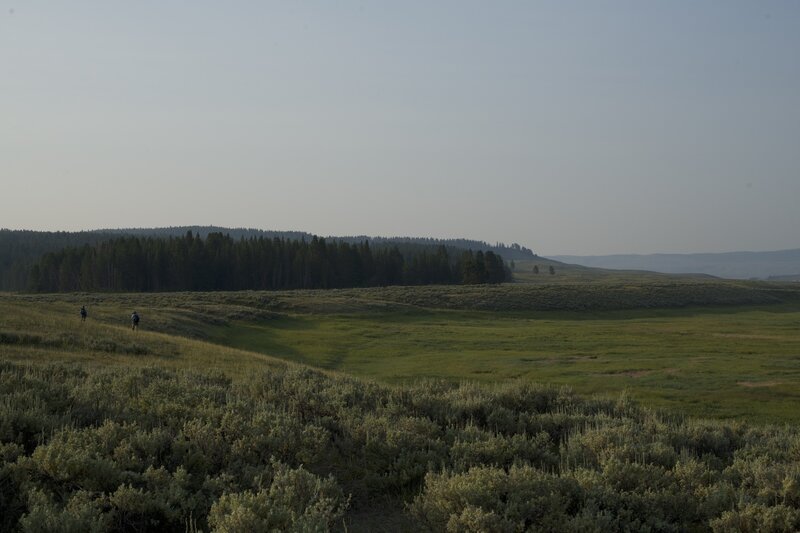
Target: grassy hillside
(107, 429)
(524, 272)
(741, 265)
(84, 448)
(737, 356)
(44, 330)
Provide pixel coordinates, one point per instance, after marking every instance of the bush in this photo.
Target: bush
(295, 500)
(148, 449)
(519, 499)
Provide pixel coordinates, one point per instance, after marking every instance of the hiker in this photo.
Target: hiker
(134, 321)
(83, 313)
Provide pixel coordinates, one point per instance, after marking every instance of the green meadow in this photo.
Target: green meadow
(735, 356)
(561, 404)
(717, 363)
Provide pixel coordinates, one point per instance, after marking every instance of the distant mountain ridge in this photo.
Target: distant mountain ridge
(203, 231)
(779, 264)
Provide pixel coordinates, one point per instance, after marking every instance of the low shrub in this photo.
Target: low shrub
(89, 448)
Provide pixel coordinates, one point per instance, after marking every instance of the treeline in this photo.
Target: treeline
(220, 262)
(507, 252)
(21, 249)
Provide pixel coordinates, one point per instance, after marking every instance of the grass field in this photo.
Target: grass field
(736, 358)
(207, 419)
(713, 362)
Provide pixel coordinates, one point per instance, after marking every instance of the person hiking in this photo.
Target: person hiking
(135, 321)
(83, 313)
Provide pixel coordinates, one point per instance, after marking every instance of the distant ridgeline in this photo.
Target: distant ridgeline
(512, 252)
(204, 231)
(220, 262)
(21, 249)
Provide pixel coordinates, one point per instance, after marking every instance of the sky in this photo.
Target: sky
(581, 128)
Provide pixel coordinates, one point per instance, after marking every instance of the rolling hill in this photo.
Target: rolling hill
(734, 265)
(107, 429)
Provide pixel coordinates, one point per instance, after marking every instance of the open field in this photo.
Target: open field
(738, 357)
(203, 420)
(717, 363)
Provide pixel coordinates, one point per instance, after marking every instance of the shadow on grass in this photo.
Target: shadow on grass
(260, 337)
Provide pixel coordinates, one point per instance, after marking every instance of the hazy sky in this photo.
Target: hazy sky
(569, 127)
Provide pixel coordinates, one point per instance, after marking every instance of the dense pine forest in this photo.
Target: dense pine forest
(220, 262)
(507, 252)
(20, 250)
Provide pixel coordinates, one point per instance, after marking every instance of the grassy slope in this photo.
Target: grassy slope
(398, 334)
(46, 329)
(724, 361)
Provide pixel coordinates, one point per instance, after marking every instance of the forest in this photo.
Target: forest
(220, 262)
